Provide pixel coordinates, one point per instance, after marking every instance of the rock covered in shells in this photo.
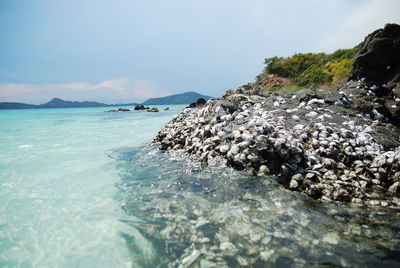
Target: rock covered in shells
(323, 143)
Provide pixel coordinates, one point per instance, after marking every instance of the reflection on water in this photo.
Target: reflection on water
(195, 216)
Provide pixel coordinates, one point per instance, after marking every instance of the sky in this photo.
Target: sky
(124, 51)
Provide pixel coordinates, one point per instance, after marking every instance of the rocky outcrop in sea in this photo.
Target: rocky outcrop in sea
(340, 144)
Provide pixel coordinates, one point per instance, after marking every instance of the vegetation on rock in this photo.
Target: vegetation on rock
(308, 69)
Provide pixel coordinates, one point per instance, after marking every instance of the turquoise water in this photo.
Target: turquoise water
(78, 188)
(57, 185)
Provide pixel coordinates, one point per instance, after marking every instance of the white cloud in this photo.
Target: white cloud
(109, 91)
(371, 15)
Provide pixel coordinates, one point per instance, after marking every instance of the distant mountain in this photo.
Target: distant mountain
(184, 98)
(54, 103)
(16, 105)
(59, 103)
(124, 104)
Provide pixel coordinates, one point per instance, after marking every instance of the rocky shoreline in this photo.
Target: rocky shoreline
(340, 144)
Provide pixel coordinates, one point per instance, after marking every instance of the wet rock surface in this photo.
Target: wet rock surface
(330, 144)
(187, 215)
(338, 145)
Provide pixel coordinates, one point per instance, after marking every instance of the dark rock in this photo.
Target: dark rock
(198, 103)
(229, 107)
(139, 107)
(119, 110)
(153, 110)
(166, 109)
(341, 195)
(378, 60)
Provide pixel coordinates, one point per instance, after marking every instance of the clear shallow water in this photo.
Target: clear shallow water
(57, 185)
(77, 189)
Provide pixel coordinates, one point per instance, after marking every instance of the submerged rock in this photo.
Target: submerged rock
(153, 110)
(119, 110)
(191, 216)
(139, 107)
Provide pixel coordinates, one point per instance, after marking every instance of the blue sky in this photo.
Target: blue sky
(130, 50)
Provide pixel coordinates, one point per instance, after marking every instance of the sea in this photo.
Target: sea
(81, 187)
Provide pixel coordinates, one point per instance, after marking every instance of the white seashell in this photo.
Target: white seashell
(295, 117)
(224, 148)
(317, 101)
(311, 114)
(221, 134)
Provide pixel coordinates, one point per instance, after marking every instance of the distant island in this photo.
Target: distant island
(184, 98)
(54, 103)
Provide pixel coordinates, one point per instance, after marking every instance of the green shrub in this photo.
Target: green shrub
(338, 70)
(292, 66)
(314, 75)
(311, 69)
(343, 54)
